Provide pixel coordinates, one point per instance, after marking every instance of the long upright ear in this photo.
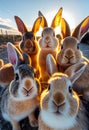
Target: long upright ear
(44, 21)
(36, 25)
(26, 58)
(81, 28)
(79, 69)
(14, 56)
(51, 65)
(57, 19)
(65, 28)
(20, 25)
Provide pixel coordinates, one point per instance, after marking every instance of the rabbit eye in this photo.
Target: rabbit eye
(16, 76)
(77, 46)
(54, 34)
(61, 47)
(49, 87)
(42, 34)
(70, 89)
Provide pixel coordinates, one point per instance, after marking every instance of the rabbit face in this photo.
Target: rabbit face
(28, 43)
(70, 53)
(24, 83)
(57, 101)
(48, 40)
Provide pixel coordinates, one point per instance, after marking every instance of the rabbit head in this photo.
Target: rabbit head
(59, 103)
(70, 53)
(48, 40)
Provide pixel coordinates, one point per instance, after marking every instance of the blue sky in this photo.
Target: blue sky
(74, 10)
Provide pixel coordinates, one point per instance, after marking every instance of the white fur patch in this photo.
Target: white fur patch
(5, 116)
(57, 122)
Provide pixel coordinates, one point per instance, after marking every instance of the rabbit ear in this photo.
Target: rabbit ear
(44, 21)
(26, 58)
(65, 29)
(76, 71)
(57, 19)
(36, 25)
(14, 56)
(20, 24)
(51, 64)
(85, 26)
(81, 28)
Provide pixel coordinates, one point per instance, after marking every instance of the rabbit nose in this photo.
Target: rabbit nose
(28, 43)
(58, 98)
(27, 84)
(47, 38)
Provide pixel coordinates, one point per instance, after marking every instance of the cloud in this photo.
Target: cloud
(6, 22)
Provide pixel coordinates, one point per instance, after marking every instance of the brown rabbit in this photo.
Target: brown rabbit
(21, 98)
(29, 43)
(48, 43)
(61, 108)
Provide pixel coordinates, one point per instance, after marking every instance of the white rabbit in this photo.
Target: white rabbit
(21, 98)
(61, 108)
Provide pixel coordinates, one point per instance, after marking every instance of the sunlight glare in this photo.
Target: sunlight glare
(68, 17)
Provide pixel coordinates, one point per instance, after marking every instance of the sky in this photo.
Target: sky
(73, 10)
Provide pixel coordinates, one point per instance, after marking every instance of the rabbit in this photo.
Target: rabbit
(21, 98)
(70, 53)
(61, 107)
(29, 43)
(48, 43)
(7, 72)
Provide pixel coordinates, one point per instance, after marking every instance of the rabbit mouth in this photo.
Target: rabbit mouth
(57, 113)
(29, 92)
